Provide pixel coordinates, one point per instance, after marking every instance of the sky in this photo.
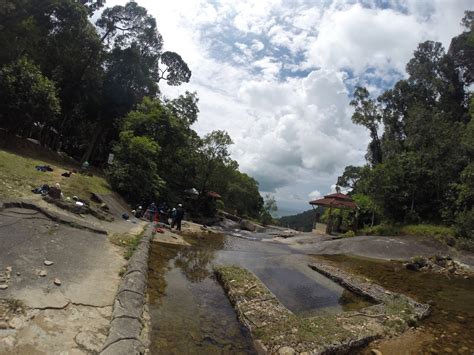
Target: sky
(278, 75)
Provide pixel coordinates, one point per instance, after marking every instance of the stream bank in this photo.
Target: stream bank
(450, 326)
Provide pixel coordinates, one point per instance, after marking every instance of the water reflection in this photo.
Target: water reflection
(449, 328)
(190, 312)
(194, 262)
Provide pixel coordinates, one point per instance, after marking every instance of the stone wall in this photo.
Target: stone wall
(276, 330)
(129, 316)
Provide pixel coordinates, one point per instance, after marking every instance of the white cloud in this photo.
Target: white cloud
(313, 195)
(294, 134)
(257, 45)
(358, 38)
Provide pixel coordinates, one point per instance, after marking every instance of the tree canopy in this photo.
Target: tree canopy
(88, 83)
(420, 155)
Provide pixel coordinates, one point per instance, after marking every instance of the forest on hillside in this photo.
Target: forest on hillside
(92, 87)
(420, 166)
(303, 221)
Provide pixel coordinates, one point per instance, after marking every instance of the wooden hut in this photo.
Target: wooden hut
(336, 200)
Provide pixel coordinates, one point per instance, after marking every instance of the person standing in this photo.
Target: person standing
(151, 211)
(178, 217)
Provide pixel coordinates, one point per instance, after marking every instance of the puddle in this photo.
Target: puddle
(449, 328)
(190, 312)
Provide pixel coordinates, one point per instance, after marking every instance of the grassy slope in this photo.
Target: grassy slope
(18, 177)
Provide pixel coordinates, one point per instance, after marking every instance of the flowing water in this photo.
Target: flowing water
(449, 328)
(189, 311)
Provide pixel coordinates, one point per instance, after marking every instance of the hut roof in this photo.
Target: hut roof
(336, 200)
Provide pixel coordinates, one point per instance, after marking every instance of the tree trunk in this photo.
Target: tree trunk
(329, 224)
(93, 144)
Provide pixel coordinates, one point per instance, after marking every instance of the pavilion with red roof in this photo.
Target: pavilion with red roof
(336, 200)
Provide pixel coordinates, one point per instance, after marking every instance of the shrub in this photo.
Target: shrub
(26, 95)
(134, 172)
(381, 229)
(464, 225)
(428, 230)
(465, 244)
(419, 260)
(349, 233)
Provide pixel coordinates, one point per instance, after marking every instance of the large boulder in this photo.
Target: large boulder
(247, 225)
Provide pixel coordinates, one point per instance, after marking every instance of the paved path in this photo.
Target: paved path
(72, 318)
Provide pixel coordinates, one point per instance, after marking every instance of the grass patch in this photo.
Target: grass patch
(381, 229)
(272, 324)
(18, 177)
(11, 306)
(428, 230)
(128, 241)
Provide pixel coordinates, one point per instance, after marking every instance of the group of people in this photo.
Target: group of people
(162, 213)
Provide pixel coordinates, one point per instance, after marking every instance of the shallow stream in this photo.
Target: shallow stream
(190, 312)
(450, 327)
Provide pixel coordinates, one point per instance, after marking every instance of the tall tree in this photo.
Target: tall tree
(213, 150)
(367, 114)
(26, 97)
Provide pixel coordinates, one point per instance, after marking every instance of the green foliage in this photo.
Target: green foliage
(464, 224)
(381, 229)
(302, 221)
(26, 96)
(94, 89)
(465, 244)
(134, 172)
(269, 207)
(427, 230)
(420, 169)
(349, 234)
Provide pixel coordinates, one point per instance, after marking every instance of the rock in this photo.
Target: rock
(57, 282)
(18, 274)
(15, 323)
(286, 350)
(448, 350)
(4, 325)
(3, 286)
(90, 341)
(8, 269)
(375, 352)
(9, 342)
(48, 262)
(412, 266)
(247, 225)
(451, 241)
(42, 273)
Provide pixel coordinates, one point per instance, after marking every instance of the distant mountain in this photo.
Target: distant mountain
(301, 221)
